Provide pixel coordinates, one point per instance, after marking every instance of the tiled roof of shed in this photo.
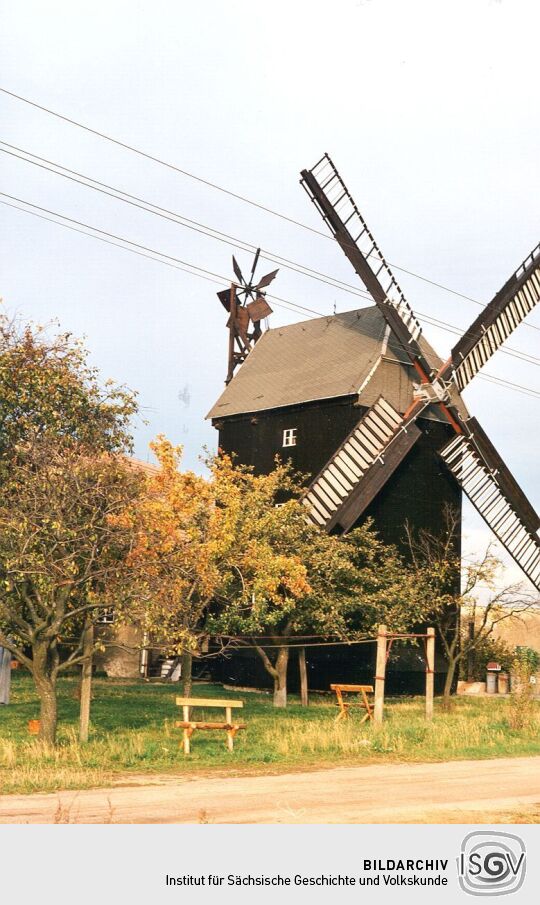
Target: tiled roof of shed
(145, 467)
(340, 355)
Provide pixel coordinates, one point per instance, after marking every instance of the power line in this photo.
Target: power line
(179, 264)
(508, 383)
(173, 216)
(226, 191)
(211, 232)
(165, 163)
(458, 331)
(535, 394)
(142, 250)
(201, 272)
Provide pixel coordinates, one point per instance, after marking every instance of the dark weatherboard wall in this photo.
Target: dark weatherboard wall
(417, 491)
(321, 426)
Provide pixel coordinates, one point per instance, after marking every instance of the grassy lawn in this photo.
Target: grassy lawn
(132, 732)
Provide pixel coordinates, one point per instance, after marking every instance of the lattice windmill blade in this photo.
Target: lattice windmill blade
(494, 492)
(331, 196)
(504, 476)
(511, 305)
(361, 466)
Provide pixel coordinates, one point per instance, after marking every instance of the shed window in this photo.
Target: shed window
(289, 436)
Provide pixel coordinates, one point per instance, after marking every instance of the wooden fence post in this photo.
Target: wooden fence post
(186, 710)
(380, 672)
(470, 654)
(430, 672)
(86, 682)
(304, 697)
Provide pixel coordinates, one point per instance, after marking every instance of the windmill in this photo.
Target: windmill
(363, 463)
(246, 303)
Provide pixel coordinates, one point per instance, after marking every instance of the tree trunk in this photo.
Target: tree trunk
(187, 673)
(46, 689)
(302, 668)
(280, 678)
(44, 676)
(278, 671)
(471, 652)
(447, 696)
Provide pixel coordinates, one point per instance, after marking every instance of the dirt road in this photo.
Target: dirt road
(372, 794)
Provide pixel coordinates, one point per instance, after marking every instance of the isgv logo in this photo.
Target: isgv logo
(491, 864)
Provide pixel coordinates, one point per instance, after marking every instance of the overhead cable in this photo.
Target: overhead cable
(225, 191)
(186, 266)
(211, 232)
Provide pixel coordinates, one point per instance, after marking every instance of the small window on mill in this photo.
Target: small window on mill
(289, 436)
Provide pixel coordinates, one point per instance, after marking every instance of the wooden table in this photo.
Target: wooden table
(344, 706)
(189, 726)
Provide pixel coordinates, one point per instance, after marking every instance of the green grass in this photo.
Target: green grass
(132, 733)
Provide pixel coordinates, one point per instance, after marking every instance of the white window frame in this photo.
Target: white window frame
(289, 436)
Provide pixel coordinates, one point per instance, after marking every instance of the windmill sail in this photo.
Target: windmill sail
(360, 467)
(327, 190)
(499, 319)
(505, 478)
(501, 509)
(363, 463)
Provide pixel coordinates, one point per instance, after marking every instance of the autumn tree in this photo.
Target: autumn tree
(233, 554)
(287, 577)
(449, 589)
(62, 481)
(174, 561)
(49, 390)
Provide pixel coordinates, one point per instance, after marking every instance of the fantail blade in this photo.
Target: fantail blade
(237, 270)
(255, 262)
(266, 280)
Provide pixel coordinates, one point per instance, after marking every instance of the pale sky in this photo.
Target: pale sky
(429, 110)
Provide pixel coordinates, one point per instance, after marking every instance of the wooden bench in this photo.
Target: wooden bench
(344, 705)
(189, 726)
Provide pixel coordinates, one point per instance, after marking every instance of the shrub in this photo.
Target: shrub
(490, 649)
(524, 665)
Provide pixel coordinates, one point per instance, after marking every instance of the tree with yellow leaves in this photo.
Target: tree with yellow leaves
(173, 563)
(233, 554)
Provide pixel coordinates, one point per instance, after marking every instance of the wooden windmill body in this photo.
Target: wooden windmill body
(305, 387)
(363, 404)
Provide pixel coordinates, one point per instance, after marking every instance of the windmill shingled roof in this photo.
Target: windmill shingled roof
(322, 358)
